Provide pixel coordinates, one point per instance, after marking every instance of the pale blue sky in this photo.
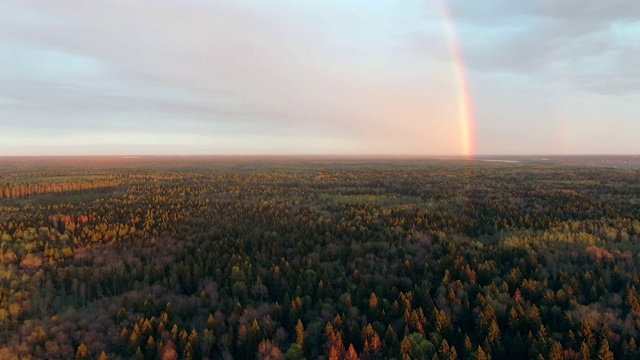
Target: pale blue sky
(316, 77)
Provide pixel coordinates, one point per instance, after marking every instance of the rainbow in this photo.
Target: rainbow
(465, 103)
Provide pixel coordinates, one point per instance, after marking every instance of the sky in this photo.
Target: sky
(319, 77)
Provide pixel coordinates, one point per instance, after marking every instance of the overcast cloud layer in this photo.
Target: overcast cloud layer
(321, 77)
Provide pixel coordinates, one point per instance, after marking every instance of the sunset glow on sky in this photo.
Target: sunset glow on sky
(319, 77)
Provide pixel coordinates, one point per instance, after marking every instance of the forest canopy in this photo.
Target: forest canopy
(196, 257)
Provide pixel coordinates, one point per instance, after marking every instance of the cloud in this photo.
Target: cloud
(327, 69)
(586, 45)
(339, 76)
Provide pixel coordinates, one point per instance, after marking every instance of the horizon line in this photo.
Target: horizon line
(439, 156)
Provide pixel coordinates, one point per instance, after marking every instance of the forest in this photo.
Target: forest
(317, 258)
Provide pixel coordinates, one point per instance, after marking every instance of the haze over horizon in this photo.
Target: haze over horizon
(248, 77)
